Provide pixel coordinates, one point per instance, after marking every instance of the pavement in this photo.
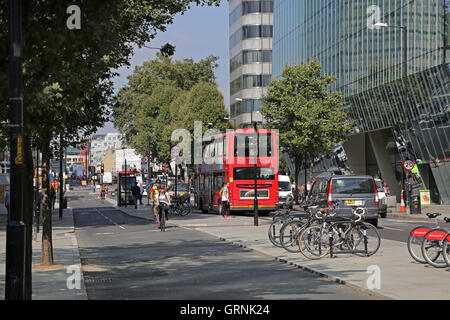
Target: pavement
(52, 283)
(399, 276)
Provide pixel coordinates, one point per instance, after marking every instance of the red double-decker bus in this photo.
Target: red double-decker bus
(230, 157)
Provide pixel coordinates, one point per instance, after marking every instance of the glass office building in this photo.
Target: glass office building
(251, 31)
(368, 61)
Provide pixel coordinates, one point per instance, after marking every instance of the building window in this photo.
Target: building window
(247, 32)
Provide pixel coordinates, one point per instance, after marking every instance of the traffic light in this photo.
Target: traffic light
(102, 168)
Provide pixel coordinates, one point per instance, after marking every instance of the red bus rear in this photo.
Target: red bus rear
(230, 158)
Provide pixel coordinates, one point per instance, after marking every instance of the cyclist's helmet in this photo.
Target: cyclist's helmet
(158, 181)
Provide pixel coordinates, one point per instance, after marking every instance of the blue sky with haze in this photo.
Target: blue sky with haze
(200, 32)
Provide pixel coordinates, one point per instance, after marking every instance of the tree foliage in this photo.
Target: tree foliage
(163, 95)
(308, 116)
(67, 73)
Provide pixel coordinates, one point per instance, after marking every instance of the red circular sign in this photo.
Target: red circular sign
(408, 165)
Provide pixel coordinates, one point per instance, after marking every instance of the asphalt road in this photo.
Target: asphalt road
(124, 257)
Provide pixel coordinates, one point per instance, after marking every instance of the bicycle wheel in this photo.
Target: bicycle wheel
(363, 238)
(446, 252)
(314, 242)
(414, 245)
(274, 231)
(289, 234)
(186, 209)
(432, 248)
(163, 221)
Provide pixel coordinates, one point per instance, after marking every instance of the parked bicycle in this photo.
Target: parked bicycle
(279, 218)
(416, 238)
(340, 235)
(434, 247)
(180, 207)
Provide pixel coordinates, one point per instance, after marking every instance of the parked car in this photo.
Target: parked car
(351, 191)
(284, 188)
(382, 196)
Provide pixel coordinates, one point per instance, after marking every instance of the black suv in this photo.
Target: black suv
(351, 191)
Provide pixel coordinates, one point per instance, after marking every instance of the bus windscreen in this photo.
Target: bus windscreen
(248, 173)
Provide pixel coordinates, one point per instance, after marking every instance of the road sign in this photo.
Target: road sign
(408, 165)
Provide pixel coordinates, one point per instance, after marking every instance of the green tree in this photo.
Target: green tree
(163, 95)
(68, 74)
(309, 117)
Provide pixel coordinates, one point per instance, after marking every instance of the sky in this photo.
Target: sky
(200, 32)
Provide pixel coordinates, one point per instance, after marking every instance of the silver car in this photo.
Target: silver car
(351, 191)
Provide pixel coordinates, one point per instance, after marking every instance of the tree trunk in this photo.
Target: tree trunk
(47, 245)
(311, 171)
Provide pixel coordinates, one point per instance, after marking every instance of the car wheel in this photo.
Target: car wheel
(383, 214)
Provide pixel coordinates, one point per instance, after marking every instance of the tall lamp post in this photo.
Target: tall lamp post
(405, 95)
(15, 232)
(255, 201)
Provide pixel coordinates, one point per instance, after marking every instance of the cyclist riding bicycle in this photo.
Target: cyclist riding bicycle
(162, 196)
(154, 195)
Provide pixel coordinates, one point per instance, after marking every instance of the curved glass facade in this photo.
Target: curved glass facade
(368, 63)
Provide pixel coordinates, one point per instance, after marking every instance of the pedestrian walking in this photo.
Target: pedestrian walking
(7, 201)
(141, 192)
(224, 195)
(308, 189)
(53, 197)
(135, 191)
(386, 189)
(302, 192)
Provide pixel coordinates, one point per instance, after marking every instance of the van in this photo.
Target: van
(351, 191)
(284, 188)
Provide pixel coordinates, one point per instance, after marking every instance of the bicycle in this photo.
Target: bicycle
(278, 220)
(180, 207)
(295, 224)
(351, 235)
(416, 236)
(446, 244)
(433, 245)
(162, 207)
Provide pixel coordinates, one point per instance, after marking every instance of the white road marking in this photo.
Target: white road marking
(109, 219)
(389, 228)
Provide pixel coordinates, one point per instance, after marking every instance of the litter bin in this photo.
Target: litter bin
(416, 208)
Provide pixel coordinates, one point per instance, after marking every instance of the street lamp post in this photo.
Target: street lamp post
(255, 202)
(149, 173)
(405, 96)
(15, 232)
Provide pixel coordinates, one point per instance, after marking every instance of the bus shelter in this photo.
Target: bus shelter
(125, 181)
